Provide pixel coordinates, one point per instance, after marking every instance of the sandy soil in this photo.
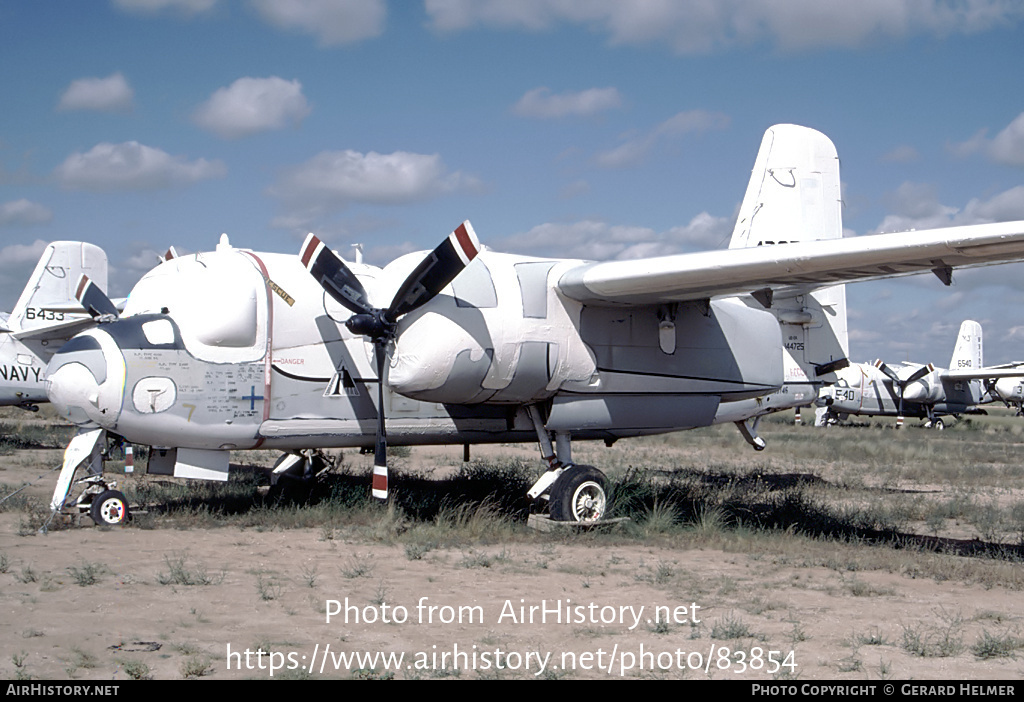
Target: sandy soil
(311, 598)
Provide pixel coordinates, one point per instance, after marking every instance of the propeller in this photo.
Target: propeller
(432, 275)
(94, 300)
(902, 383)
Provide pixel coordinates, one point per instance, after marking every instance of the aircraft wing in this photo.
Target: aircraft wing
(58, 331)
(793, 266)
(1006, 370)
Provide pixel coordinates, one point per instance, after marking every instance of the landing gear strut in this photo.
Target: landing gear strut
(99, 499)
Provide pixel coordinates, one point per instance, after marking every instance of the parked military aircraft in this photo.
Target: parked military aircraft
(1006, 384)
(46, 315)
(235, 349)
(914, 389)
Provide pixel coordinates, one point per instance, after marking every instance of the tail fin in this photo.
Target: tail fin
(794, 196)
(47, 307)
(967, 352)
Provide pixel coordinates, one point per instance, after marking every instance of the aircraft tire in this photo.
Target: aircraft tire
(938, 425)
(109, 508)
(580, 494)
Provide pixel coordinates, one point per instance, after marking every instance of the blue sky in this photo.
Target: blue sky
(595, 129)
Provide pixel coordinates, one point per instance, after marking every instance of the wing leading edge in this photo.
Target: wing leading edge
(794, 266)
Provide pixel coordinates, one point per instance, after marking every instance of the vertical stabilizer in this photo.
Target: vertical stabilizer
(48, 301)
(967, 353)
(794, 196)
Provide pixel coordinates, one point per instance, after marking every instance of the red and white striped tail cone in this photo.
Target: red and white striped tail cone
(380, 482)
(899, 422)
(129, 460)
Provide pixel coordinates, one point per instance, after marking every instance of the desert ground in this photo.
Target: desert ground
(888, 555)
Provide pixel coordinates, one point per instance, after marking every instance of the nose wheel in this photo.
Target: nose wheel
(109, 508)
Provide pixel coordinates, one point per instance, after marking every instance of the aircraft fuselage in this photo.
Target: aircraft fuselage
(236, 349)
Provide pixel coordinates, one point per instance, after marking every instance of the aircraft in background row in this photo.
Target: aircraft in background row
(917, 390)
(46, 315)
(236, 349)
(1006, 384)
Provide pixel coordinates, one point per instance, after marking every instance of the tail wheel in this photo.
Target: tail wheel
(109, 508)
(580, 494)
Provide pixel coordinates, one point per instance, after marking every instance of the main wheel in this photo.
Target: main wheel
(580, 494)
(109, 508)
(938, 425)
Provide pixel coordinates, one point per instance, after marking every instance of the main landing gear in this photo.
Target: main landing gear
(575, 493)
(296, 474)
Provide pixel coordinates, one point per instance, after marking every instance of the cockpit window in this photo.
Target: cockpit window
(218, 301)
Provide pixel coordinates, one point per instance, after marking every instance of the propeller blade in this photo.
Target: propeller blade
(919, 373)
(436, 270)
(379, 487)
(334, 276)
(94, 300)
(888, 371)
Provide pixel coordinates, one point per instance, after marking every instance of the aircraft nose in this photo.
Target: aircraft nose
(84, 380)
(1008, 388)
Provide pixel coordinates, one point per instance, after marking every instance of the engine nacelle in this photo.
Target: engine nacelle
(926, 390)
(503, 336)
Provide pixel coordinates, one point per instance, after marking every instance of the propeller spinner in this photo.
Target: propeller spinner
(432, 275)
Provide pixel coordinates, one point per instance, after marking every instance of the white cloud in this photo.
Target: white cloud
(599, 241)
(132, 166)
(700, 26)
(16, 264)
(902, 154)
(1007, 147)
(186, 7)
(635, 148)
(916, 206)
(23, 212)
(110, 94)
(332, 22)
(541, 102)
(17, 255)
(252, 105)
(333, 179)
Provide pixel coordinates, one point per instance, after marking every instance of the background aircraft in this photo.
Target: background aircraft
(1006, 384)
(913, 389)
(238, 349)
(46, 315)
